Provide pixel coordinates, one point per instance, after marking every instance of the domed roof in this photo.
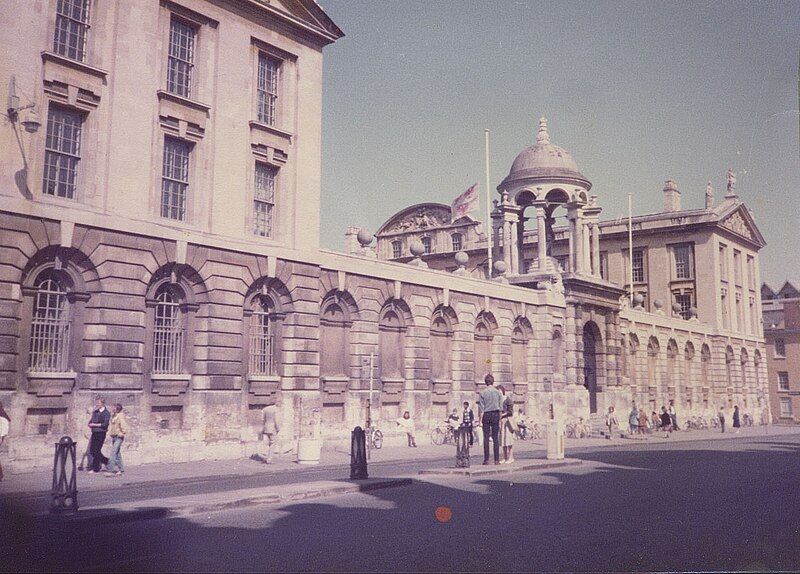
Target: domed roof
(544, 160)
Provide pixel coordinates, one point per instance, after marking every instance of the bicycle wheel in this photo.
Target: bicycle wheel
(437, 436)
(377, 440)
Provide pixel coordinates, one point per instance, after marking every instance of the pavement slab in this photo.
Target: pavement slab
(481, 470)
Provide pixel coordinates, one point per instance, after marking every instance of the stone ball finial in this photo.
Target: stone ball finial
(658, 304)
(364, 237)
(500, 267)
(638, 299)
(416, 248)
(676, 308)
(461, 258)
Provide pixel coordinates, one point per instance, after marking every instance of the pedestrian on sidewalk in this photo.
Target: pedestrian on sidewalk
(453, 421)
(508, 427)
(407, 424)
(87, 452)
(117, 429)
(5, 423)
(655, 421)
(633, 420)
(673, 415)
(477, 429)
(468, 421)
(643, 423)
(721, 416)
(736, 422)
(269, 431)
(666, 422)
(490, 405)
(99, 427)
(611, 421)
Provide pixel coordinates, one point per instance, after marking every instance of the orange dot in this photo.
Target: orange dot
(443, 513)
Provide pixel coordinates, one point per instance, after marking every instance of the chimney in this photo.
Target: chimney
(350, 240)
(672, 197)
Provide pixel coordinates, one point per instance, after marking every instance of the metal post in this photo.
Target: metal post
(358, 454)
(64, 494)
(489, 227)
(369, 407)
(462, 447)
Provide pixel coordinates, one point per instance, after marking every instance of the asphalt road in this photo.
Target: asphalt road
(721, 505)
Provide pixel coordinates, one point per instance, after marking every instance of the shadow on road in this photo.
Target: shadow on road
(677, 509)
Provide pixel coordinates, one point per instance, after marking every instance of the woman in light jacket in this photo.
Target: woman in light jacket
(117, 429)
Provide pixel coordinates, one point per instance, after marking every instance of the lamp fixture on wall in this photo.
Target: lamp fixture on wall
(30, 121)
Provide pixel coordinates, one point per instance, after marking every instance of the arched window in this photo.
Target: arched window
(519, 350)
(441, 346)
(334, 337)
(391, 342)
(744, 360)
(705, 362)
(757, 368)
(457, 241)
(482, 354)
(633, 350)
(688, 358)
(50, 325)
(672, 358)
(168, 330)
(652, 361)
(427, 243)
(263, 358)
(729, 359)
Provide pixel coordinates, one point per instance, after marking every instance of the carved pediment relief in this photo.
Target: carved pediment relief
(736, 223)
(421, 218)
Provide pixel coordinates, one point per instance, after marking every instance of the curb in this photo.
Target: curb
(541, 464)
(127, 513)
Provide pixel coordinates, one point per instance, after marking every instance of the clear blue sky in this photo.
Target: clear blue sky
(638, 92)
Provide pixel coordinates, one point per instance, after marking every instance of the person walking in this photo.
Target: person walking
(5, 423)
(507, 427)
(269, 431)
(666, 422)
(117, 430)
(721, 416)
(737, 423)
(99, 427)
(643, 424)
(490, 404)
(87, 453)
(407, 424)
(611, 422)
(468, 421)
(633, 420)
(673, 415)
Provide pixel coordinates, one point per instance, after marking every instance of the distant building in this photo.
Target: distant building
(781, 310)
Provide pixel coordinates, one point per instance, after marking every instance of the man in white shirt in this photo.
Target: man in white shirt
(270, 430)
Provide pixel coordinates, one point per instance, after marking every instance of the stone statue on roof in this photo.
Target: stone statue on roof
(709, 195)
(731, 182)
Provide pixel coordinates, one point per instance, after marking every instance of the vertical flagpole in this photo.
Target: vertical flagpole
(489, 230)
(630, 246)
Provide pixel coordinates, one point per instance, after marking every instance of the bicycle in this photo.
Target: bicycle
(443, 433)
(528, 432)
(747, 420)
(578, 429)
(374, 437)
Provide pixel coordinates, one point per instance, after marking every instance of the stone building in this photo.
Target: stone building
(159, 247)
(693, 334)
(781, 311)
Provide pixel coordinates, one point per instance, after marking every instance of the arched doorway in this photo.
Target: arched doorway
(591, 343)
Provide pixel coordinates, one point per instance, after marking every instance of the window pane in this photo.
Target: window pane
(262, 338)
(638, 266)
(49, 343)
(168, 333)
(456, 242)
(264, 199)
(397, 249)
(72, 24)
(267, 88)
(181, 58)
(62, 152)
(175, 179)
(683, 261)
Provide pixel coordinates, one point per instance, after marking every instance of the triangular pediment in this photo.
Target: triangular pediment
(740, 222)
(306, 11)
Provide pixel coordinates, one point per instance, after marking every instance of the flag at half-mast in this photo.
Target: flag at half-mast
(465, 203)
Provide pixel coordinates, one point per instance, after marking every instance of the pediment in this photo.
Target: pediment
(306, 11)
(418, 218)
(741, 223)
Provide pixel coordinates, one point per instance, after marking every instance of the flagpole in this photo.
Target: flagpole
(489, 231)
(630, 246)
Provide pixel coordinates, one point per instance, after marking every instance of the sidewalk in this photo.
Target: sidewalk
(224, 483)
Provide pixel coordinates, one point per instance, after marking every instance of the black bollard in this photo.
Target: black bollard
(358, 454)
(462, 447)
(64, 496)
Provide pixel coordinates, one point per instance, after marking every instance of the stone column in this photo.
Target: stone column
(587, 249)
(507, 243)
(541, 232)
(571, 345)
(514, 247)
(595, 249)
(612, 350)
(520, 251)
(577, 241)
(573, 245)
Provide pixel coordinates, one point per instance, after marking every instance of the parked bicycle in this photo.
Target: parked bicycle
(374, 437)
(578, 429)
(443, 433)
(747, 420)
(528, 431)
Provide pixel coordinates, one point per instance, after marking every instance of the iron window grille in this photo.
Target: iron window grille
(62, 152)
(72, 26)
(783, 380)
(456, 241)
(264, 199)
(50, 326)
(780, 347)
(397, 249)
(180, 62)
(175, 179)
(167, 332)
(685, 301)
(262, 338)
(267, 89)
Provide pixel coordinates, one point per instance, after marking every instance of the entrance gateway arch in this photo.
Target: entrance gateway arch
(591, 343)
